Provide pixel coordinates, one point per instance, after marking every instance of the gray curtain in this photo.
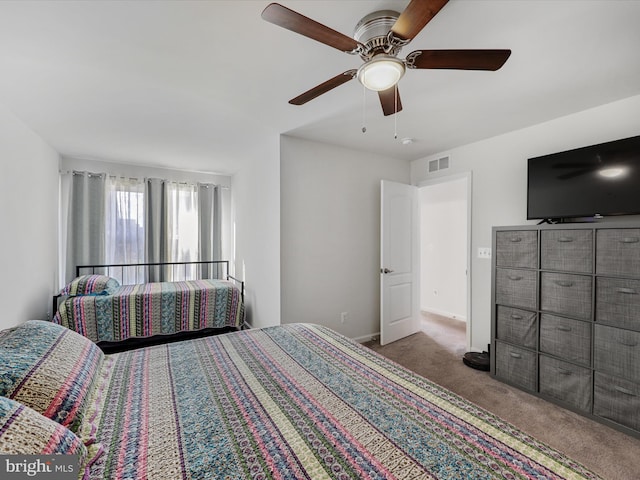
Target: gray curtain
(209, 227)
(156, 247)
(86, 226)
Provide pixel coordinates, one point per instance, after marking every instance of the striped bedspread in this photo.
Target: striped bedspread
(296, 402)
(153, 308)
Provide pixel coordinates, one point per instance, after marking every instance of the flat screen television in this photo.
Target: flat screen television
(594, 181)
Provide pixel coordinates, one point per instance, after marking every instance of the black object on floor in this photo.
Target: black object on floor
(477, 360)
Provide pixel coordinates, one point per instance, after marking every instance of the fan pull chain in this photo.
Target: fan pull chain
(395, 112)
(364, 109)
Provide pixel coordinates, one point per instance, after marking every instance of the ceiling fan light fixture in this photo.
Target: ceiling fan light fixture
(612, 172)
(381, 72)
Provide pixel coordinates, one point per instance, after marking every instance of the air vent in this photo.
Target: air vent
(439, 164)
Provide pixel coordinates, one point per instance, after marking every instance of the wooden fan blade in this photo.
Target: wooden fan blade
(458, 59)
(417, 14)
(323, 87)
(286, 18)
(388, 100)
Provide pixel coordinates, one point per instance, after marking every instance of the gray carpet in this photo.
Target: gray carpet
(437, 356)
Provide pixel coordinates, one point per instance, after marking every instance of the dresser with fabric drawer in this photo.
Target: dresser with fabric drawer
(516, 297)
(565, 321)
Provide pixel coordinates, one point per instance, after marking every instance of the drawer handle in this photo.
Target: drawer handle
(515, 239)
(624, 390)
(515, 355)
(562, 371)
(630, 343)
(565, 239)
(562, 328)
(514, 277)
(515, 316)
(628, 291)
(564, 283)
(630, 240)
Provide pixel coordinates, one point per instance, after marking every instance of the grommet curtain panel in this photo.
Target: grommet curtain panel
(210, 225)
(86, 233)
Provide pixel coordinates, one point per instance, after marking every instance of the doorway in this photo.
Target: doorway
(445, 239)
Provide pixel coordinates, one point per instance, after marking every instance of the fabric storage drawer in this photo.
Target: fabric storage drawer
(516, 287)
(517, 326)
(517, 248)
(618, 251)
(567, 294)
(516, 365)
(566, 382)
(566, 338)
(567, 250)
(617, 352)
(617, 400)
(618, 302)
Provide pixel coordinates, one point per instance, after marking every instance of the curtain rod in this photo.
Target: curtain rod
(93, 174)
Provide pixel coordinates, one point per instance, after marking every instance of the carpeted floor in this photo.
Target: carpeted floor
(436, 354)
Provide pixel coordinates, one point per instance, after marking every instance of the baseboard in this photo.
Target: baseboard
(442, 313)
(367, 338)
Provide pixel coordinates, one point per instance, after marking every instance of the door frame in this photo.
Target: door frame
(469, 178)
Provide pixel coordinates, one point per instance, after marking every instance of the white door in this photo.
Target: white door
(399, 262)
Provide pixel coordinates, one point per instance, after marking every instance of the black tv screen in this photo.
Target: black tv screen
(593, 181)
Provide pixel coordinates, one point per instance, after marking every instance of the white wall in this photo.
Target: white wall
(29, 222)
(255, 216)
(330, 234)
(443, 248)
(500, 182)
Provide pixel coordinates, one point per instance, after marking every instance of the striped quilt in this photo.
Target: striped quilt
(153, 308)
(296, 402)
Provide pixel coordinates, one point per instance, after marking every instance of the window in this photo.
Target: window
(124, 221)
(114, 220)
(182, 225)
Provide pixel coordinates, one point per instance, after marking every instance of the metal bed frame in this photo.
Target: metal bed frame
(141, 270)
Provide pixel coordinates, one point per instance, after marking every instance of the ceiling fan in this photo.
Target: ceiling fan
(378, 39)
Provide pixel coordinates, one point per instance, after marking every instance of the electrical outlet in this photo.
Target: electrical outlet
(484, 252)
(344, 316)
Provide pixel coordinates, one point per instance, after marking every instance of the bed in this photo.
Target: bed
(296, 401)
(96, 304)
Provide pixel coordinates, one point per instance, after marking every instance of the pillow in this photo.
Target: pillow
(91, 285)
(23, 431)
(49, 368)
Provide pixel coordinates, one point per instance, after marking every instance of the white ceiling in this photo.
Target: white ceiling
(204, 85)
